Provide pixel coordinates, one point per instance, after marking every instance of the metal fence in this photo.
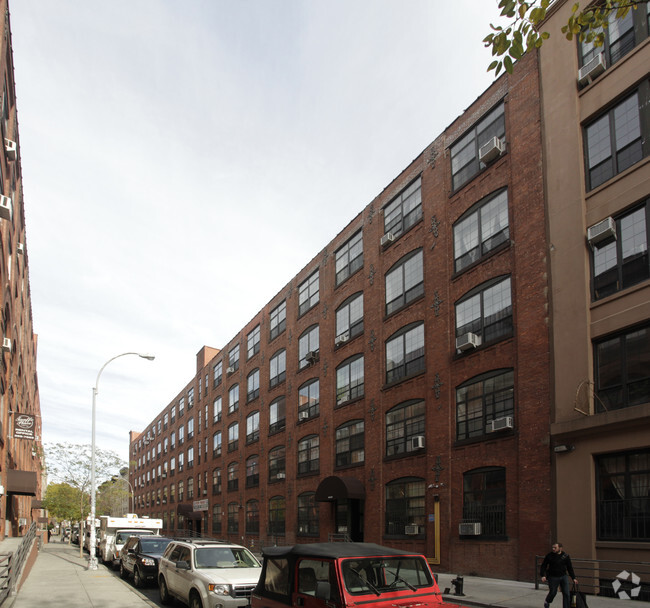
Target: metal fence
(608, 578)
(11, 564)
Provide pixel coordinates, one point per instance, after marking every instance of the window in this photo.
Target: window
(308, 455)
(278, 320)
(216, 410)
(615, 141)
(252, 427)
(181, 407)
(190, 457)
(233, 436)
(218, 373)
(233, 359)
(309, 399)
(253, 471)
(181, 435)
(484, 500)
(622, 262)
(405, 505)
(308, 346)
(623, 496)
(277, 464)
(233, 398)
(190, 398)
(252, 517)
(350, 380)
(216, 444)
(277, 516)
(404, 282)
(403, 422)
(181, 490)
(349, 319)
(173, 413)
(190, 488)
(233, 476)
(465, 163)
(481, 229)
(405, 210)
(190, 428)
(308, 514)
(216, 481)
(350, 443)
(482, 399)
(253, 342)
(277, 415)
(622, 370)
(349, 258)
(405, 353)
(486, 312)
(216, 519)
(308, 294)
(253, 385)
(278, 368)
(233, 518)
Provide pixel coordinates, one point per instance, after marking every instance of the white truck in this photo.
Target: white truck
(115, 531)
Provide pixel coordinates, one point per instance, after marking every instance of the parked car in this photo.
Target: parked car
(207, 573)
(74, 536)
(319, 575)
(140, 556)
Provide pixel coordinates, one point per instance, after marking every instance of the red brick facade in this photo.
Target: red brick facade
(432, 481)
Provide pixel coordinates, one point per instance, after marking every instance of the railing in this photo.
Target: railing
(601, 577)
(11, 564)
(336, 537)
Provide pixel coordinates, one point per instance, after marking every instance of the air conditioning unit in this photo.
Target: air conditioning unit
(416, 443)
(20, 249)
(11, 149)
(467, 341)
(164, 475)
(590, 70)
(230, 370)
(411, 530)
(602, 231)
(491, 150)
(342, 339)
(387, 239)
(6, 345)
(304, 415)
(281, 476)
(500, 424)
(469, 529)
(312, 356)
(6, 208)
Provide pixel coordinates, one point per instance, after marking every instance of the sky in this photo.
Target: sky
(183, 161)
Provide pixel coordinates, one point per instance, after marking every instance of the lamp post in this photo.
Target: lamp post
(92, 562)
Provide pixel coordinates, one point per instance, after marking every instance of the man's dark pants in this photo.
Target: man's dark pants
(559, 581)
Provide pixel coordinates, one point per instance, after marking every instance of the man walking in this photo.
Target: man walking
(556, 569)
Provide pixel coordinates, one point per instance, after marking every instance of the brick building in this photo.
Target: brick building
(20, 420)
(397, 389)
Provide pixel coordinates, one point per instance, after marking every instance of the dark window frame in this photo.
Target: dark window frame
(406, 295)
(345, 265)
(485, 501)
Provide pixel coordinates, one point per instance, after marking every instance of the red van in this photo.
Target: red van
(339, 575)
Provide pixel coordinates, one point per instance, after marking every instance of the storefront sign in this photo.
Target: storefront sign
(24, 426)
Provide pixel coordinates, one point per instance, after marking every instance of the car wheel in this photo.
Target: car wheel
(123, 573)
(195, 600)
(138, 581)
(165, 598)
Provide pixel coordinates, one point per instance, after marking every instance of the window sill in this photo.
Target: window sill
(481, 347)
(344, 281)
(484, 258)
(403, 308)
(403, 380)
(349, 402)
(403, 234)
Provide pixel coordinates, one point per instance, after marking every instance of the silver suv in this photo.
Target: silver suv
(207, 574)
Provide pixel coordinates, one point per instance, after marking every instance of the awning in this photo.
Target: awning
(335, 488)
(188, 512)
(21, 482)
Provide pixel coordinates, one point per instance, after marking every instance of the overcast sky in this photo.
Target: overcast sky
(183, 160)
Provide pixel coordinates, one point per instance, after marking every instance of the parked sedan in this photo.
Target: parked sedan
(140, 556)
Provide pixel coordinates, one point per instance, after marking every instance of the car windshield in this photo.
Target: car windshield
(151, 545)
(224, 557)
(122, 537)
(377, 575)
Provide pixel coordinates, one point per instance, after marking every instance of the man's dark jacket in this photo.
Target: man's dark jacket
(556, 565)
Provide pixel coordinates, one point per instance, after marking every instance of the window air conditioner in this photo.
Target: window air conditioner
(411, 530)
(281, 476)
(6, 344)
(20, 248)
(602, 231)
(230, 370)
(491, 150)
(387, 239)
(312, 356)
(416, 443)
(467, 341)
(342, 339)
(500, 424)
(304, 415)
(592, 69)
(469, 529)
(11, 149)
(6, 208)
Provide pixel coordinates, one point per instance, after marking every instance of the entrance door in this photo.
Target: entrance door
(349, 518)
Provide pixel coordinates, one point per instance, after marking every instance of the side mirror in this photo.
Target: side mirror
(323, 590)
(183, 565)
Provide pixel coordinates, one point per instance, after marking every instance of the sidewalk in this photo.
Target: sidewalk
(60, 577)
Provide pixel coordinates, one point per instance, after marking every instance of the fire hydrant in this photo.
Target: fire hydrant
(458, 585)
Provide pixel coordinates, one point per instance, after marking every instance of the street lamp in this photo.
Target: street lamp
(92, 562)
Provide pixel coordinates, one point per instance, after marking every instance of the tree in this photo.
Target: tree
(113, 497)
(509, 42)
(63, 501)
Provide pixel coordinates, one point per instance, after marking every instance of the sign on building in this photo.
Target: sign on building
(201, 505)
(24, 426)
